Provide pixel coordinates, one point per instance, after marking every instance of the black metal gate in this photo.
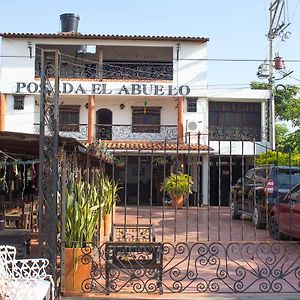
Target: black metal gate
(235, 232)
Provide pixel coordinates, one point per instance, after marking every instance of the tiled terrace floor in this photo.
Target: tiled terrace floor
(206, 255)
(192, 224)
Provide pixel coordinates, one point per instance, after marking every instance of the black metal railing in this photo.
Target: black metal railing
(118, 132)
(112, 70)
(226, 133)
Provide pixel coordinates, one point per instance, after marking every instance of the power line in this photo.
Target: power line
(180, 59)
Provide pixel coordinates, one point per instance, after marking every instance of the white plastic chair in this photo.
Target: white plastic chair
(22, 279)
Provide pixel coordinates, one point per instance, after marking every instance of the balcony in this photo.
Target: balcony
(223, 133)
(119, 132)
(111, 71)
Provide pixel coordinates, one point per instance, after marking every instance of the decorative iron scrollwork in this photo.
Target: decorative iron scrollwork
(201, 267)
(120, 70)
(223, 133)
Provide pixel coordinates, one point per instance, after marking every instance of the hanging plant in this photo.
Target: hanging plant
(100, 151)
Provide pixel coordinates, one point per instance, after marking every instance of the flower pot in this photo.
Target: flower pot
(177, 201)
(76, 273)
(108, 220)
(120, 165)
(107, 224)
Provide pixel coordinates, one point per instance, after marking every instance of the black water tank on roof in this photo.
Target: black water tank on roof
(69, 22)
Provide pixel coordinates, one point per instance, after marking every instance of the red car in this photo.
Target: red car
(284, 220)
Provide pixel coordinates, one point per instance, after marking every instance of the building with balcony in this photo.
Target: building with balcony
(133, 93)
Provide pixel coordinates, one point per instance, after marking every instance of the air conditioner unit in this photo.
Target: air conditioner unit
(192, 126)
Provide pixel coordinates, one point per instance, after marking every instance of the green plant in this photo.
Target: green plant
(82, 213)
(178, 184)
(278, 158)
(108, 190)
(120, 160)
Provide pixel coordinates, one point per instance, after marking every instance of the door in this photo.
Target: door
(295, 215)
(104, 124)
(289, 213)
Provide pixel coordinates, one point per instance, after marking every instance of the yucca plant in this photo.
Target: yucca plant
(82, 213)
(107, 190)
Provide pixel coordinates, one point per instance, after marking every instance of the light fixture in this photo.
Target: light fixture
(29, 45)
(122, 105)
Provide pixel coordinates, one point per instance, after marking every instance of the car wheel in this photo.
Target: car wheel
(274, 228)
(256, 218)
(234, 211)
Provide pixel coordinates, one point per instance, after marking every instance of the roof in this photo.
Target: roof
(72, 35)
(19, 144)
(149, 145)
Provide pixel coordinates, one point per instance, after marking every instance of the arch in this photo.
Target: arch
(104, 124)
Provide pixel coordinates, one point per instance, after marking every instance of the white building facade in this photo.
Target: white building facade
(131, 89)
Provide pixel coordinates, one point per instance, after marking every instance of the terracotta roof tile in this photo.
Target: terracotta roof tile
(72, 35)
(156, 146)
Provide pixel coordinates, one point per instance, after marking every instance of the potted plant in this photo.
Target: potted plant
(82, 213)
(177, 186)
(119, 161)
(108, 190)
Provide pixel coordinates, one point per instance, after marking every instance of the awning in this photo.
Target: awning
(150, 146)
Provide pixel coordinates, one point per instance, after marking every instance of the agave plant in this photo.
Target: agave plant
(82, 213)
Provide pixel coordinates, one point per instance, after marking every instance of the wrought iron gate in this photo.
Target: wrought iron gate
(220, 241)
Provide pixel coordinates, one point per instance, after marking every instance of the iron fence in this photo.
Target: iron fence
(235, 231)
(110, 70)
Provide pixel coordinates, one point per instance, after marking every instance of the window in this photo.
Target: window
(295, 196)
(191, 104)
(145, 119)
(235, 120)
(19, 102)
(69, 118)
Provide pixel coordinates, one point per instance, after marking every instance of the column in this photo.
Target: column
(91, 118)
(205, 181)
(180, 119)
(100, 61)
(2, 111)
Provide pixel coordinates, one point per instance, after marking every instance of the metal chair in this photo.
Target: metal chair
(24, 278)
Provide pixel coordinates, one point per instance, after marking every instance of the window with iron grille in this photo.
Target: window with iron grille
(235, 120)
(19, 102)
(191, 104)
(69, 117)
(146, 119)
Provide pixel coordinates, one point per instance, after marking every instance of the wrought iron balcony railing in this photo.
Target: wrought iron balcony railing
(111, 70)
(225, 133)
(118, 132)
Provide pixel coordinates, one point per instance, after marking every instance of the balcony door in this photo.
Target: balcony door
(104, 124)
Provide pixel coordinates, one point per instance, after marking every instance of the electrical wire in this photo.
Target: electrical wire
(180, 59)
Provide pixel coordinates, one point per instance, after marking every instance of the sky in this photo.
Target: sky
(236, 28)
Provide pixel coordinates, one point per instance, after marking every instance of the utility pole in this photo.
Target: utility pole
(278, 24)
(271, 118)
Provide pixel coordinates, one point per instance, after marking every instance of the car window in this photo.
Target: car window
(260, 175)
(295, 195)
(288, 178)
(248, 177)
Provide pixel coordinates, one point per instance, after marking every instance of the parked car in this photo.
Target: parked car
(260, 186)
(284, 218)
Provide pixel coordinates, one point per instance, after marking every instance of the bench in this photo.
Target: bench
(132, 233)
(146, 257)
(24, 278)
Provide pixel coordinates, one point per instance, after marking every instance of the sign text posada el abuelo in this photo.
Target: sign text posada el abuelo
(108, 89)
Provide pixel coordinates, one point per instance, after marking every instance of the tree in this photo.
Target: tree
(287, 104)
(287, 108)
